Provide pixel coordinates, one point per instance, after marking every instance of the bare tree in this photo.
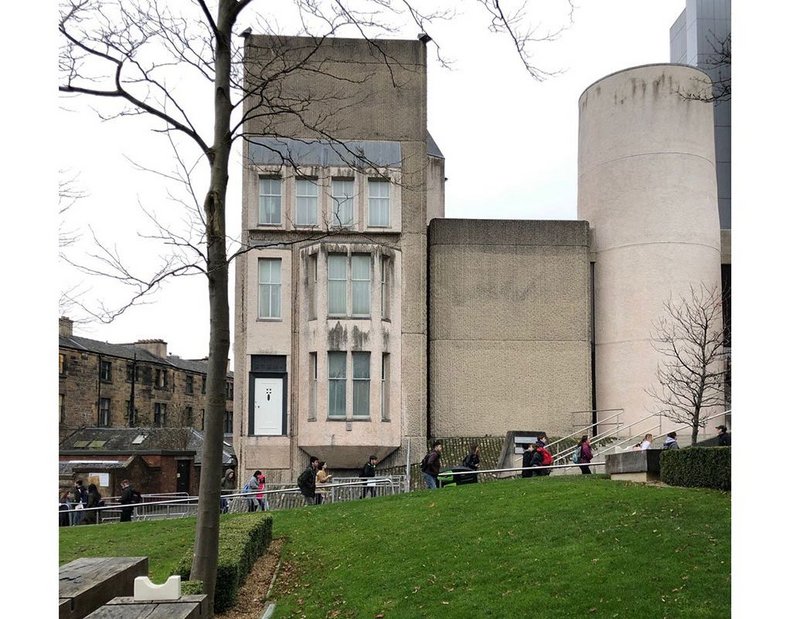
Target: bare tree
(718, 66)
(133, 55)
(690, 336)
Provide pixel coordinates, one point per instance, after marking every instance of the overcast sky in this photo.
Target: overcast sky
(510, 146)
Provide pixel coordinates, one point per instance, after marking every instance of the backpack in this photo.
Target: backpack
(547, 457)
(137, 498)
(576, 456)
(424, 464)
(467, 461)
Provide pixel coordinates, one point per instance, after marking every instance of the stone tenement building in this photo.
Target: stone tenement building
(99, 384)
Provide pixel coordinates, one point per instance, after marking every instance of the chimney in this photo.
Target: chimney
(64, 327)
(154, 347)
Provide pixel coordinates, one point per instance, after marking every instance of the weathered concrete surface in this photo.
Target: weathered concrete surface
(635, 465)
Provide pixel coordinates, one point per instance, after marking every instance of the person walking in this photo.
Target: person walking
(79, 499)
(585, 454)
(227, 486)
(648, 440)
(322, 478)
(92, 516)
(306, 482)
(541, 458)
(723, 438)
(527, 460)
(263, 503)
(671, 442)
(473, 459)
(129, 496)
(431, 465)
(367, 472)
(251, 487)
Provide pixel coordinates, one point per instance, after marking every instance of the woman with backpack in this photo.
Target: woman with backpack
(585, 454)
(95, 500)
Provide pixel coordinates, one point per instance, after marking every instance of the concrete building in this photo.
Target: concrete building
(367, 323)
(331, 325)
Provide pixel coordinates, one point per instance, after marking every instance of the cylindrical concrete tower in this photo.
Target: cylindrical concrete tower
(647, 187)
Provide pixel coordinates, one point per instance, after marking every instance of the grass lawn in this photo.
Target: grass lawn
(572, 546)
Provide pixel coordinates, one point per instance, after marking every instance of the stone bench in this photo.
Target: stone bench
(186, 607)
(635, 465)
(85, 584)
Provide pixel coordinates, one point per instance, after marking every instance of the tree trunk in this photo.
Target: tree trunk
(206, 545)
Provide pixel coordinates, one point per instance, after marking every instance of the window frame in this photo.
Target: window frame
(340, 198)
(340, 381)
(348, 285)
(106, 371)
(227, 423)
(104, 413)
(375, 200)
(264, 200)
(304, 182)
(159, 414)
(270, 287)
(189, 384)
(385, 387)
(361, 382)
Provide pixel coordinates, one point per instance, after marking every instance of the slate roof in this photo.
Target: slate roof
(127, 351)
(99, 441)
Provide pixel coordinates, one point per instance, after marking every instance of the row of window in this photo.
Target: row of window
(349, 286)
(134, 373)
(159, 414)
(307, 199)
(353, 367)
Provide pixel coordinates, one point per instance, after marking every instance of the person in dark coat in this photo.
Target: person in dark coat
(368, 471)
(95, 500)
(128, 497)
(473, 459)
(723, 438)
(78, 497)
(433, 464)
(63, 509)
(527, 460)
(671, 442)
(227, 485)
(307, 482)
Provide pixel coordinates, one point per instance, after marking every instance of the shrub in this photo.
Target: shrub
(697, 467)
(243, 538)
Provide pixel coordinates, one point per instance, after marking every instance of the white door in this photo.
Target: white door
(268, 402)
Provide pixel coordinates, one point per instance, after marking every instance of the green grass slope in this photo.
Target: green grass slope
(571, 546)
(560, 546)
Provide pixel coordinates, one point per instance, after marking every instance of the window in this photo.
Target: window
(269, 287)
(229, 390)
(62, 364)
(385, 287)
(130, 415)
(360, 278)
(269, 200)
(385, 387)
(189, 383)
(342, 207)
(104, 416)
(360, 285)
(311, 286)
(228, 428)
(312, 387)
(188, 417)
(306, 211)
(360, 384)
(378, 203)
(202, 419)
(161, 379)
(203, 387)
(105, 371)
(61, 410)
(337, 383)
(129, 371)
(160, 414)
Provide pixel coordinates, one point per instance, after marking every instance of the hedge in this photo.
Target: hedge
(697, 467)
(243, 538)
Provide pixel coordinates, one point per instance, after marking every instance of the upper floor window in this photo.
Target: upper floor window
(62, 364)
(385, 287)
(311, 286)
(269, 200)
(61, 410)
(203, 386)
(228, 427)
(360, 384)
(189, 383)
(160, 414)
(307, 192)
(342, 207)
(269, 287)
(105, 371)
(337, 383)
(104, 416)
(385, 387)
(379, 211)
(357, 269)
(229, 390)
(161, 379)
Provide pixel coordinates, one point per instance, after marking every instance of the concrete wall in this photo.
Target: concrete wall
(647, 187)
(509, 326)
(349, 91)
